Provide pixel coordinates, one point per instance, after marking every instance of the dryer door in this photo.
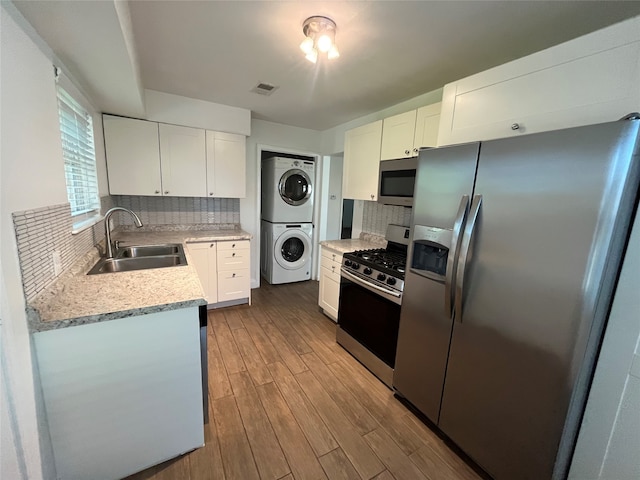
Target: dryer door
(292, 249)
(295, 187)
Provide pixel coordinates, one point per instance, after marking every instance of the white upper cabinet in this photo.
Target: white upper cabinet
(226, 165)
(397, 136)
(403, 135)
(133, 156)
(148, 158)
(427, 125)
(588, 80)
(183, 161)
(362, 162)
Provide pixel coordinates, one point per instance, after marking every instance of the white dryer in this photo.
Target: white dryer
(287, 190)
(285, 254)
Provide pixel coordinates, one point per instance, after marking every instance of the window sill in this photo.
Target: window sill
(86, 223)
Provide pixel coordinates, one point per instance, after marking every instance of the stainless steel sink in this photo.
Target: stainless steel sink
(149, 250)
(141, 257)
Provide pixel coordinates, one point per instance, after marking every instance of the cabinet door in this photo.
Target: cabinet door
(538, 93)
(362, 162)
(204, 259)
(226, 165)
(183, 161)
(133, 156)
(234, 284)
(427, 123)
(329, 292)
(397, 136)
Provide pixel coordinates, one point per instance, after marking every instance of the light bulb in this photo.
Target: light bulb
(312, 56)
(324, 43)
(307, 45)
(333, 52)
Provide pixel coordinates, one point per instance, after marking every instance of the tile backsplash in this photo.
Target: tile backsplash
(43, 231)
(179, 210)
(376, 217)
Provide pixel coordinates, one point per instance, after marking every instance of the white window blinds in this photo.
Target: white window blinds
(76, 128)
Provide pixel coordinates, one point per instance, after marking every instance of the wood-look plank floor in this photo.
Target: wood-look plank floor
(286, 402)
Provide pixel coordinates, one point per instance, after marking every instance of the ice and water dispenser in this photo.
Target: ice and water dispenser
(430, 251)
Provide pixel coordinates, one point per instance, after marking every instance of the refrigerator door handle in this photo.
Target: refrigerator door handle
(452, 260)
(464, 252)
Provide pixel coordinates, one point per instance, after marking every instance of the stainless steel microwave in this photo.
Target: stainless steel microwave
(397, 180)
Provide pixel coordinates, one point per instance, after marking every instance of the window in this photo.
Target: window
(76, 129)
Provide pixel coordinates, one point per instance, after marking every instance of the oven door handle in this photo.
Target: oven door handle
(365, 284)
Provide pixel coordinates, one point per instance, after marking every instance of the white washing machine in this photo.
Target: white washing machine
(285, 254)
(287, 190)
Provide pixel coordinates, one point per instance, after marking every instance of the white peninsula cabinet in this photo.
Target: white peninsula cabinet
(403, 135)
(122, 395)
(592, 79)
(150, 158)
(329, 293)
(362, 162)
(224, 270)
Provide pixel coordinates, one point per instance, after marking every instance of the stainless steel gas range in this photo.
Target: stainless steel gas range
(371, 286)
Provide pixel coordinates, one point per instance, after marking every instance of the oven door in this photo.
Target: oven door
(368, 326)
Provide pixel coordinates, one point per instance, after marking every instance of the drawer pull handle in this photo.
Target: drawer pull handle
(515, 126)
(211, 245)
(233, 254)
(233, 274)
(233, 246)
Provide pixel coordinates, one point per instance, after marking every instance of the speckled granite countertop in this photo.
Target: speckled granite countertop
(76, 298)
(365, 242)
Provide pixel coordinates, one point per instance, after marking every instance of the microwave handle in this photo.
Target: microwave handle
(452, 259)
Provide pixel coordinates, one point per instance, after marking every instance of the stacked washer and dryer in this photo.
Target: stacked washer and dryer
(287, 214)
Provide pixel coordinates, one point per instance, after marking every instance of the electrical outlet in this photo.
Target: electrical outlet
(57, 262)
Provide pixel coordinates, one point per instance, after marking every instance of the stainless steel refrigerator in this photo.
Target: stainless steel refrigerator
(515, 251)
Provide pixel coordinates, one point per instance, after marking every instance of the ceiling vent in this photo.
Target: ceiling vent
(264, 89)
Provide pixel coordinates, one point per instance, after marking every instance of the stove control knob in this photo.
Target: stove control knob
(391, 281)
(382, 277)
(367, 271)
(348, 263)
(355, 265)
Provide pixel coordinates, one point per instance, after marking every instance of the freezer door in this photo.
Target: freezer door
(444, 184)
(444, 176)
(551, 218)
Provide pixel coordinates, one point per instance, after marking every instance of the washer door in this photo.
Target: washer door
(295, 187)
(292, 249)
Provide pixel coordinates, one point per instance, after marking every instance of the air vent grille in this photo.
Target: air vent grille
(264, 88)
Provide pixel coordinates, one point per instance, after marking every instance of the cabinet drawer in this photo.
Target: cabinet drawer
(331, 255)
(331, 265)
(234, 284)
(230, 260)
(233, 245)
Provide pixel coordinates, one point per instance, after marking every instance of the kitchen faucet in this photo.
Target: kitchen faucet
(107, 230)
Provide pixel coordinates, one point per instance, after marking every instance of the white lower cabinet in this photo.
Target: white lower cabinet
(122, 395)
(205, 261)
(234, 278)
(329, 294)
(224, 270)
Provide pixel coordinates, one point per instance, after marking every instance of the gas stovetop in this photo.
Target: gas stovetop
(391, 263)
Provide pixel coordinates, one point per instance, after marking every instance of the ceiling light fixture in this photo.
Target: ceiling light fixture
(321, 37)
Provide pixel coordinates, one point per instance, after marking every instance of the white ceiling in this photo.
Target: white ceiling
(218, 51)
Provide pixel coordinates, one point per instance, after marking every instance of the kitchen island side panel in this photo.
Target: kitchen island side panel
(122, 395)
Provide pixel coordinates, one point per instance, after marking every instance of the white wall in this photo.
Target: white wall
(32, 176)
(270, 136)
